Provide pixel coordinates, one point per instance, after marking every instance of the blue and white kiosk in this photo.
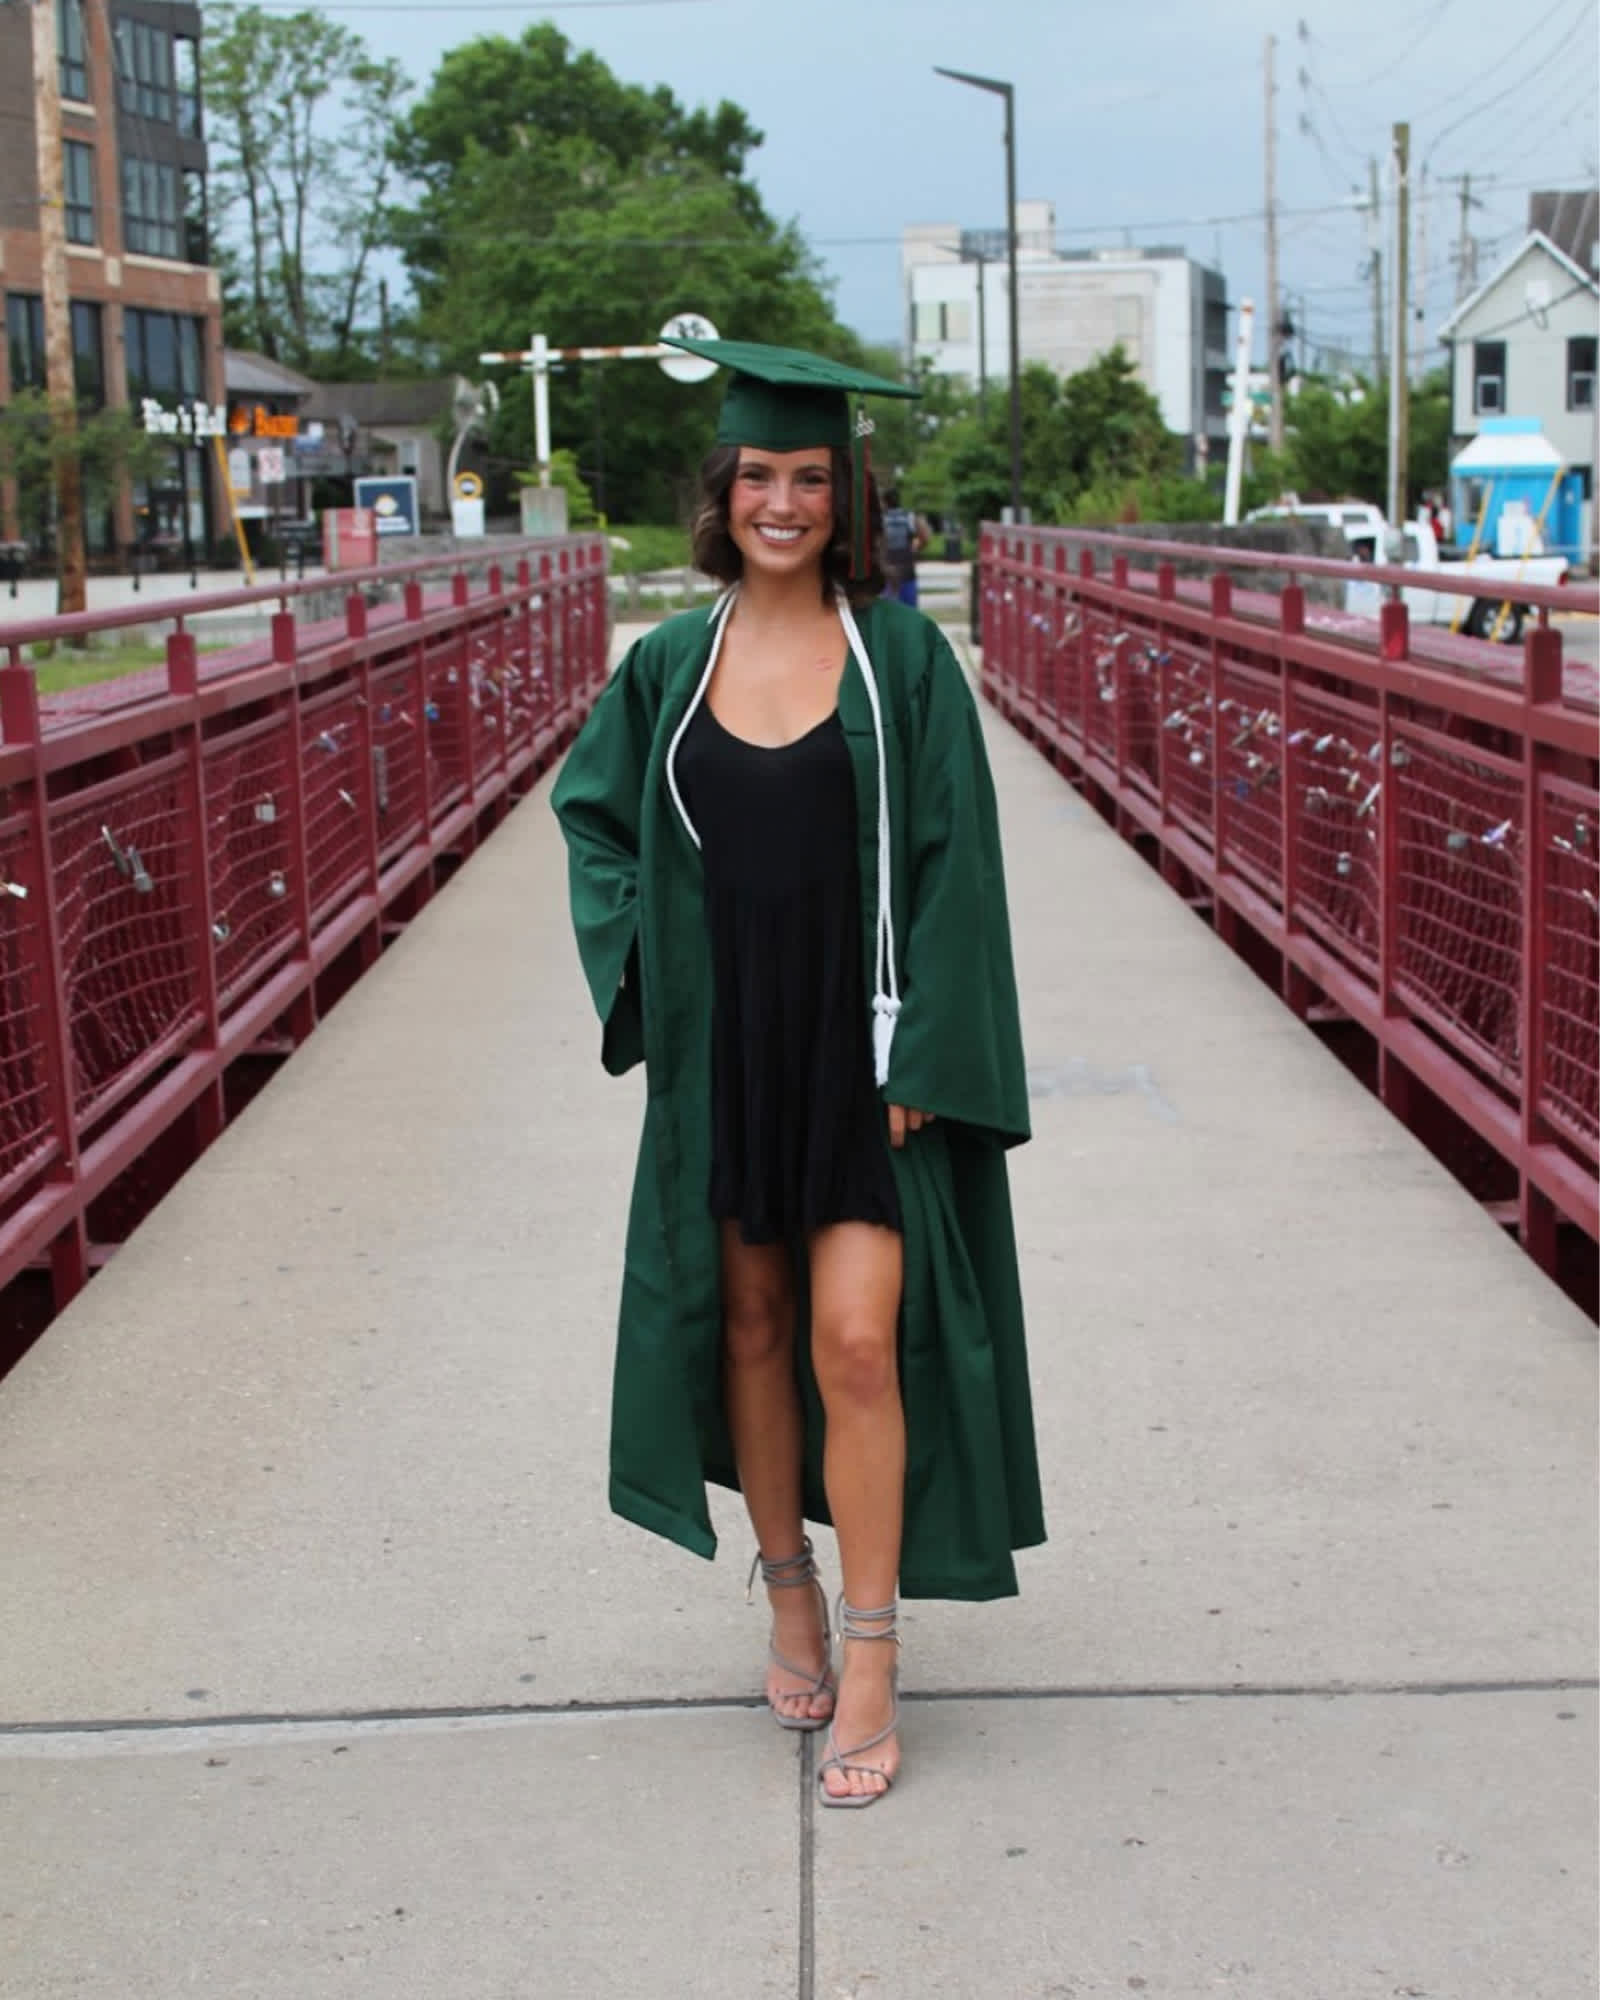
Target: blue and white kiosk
(1513, 476)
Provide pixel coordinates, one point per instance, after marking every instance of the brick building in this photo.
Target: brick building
(146, 310)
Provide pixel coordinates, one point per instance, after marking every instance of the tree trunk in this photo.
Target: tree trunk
(72, 594)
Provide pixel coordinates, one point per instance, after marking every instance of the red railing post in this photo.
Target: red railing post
(35, 872)
(1293, 984)
(1085, 659)
(183, 681)
(285, 652)
(1166, 593)
(1221, 608)
(461, 646)
(1541, 686)
(547, 647)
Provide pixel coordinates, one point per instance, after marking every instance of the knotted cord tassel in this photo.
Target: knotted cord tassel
(860, 512)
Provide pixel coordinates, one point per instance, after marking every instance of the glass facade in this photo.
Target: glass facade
(165, 357)
(145, 83)
(72, 50)
(25, 341)
(150, 225)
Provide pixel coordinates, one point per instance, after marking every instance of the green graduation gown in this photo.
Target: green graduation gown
(972, 1483)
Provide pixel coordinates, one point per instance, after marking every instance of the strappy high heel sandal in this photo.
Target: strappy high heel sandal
(796, 1573)
(854, 1624)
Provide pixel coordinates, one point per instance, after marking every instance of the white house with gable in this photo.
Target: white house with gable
(1524, 346)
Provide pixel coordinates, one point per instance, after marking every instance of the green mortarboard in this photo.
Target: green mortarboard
(783, 399)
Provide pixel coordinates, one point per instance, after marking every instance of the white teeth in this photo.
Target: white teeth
(780, 534)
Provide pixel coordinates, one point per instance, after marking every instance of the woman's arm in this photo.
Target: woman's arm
(598, 799)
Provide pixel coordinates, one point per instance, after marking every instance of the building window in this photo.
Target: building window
(29, 364)
(88, 356)
(1488, 378)
(144, 70)
(71, 50)
(1581, 372)
(150, 208)
(164, 357)
(944, 319)
(25, 338)
(78, 181)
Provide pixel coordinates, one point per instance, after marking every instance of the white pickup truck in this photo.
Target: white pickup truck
(1482, 617)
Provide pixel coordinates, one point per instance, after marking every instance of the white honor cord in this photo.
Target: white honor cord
(885, 983)
(886, 988)
(720, 612)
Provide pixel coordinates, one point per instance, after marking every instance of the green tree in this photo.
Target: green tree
(110, 447)
(556, 198)
(1338, 442)
(298, 113)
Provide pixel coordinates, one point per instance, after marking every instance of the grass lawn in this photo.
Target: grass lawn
(71, 666)
(649, 547)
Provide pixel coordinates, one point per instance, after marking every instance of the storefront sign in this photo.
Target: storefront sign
(259, 421)
(189, 420)
(269, 463)
(393, 503)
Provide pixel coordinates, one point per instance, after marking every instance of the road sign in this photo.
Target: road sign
(239, 473)
(269, 463)
(467, 486)
(394, 504)
(688, 367)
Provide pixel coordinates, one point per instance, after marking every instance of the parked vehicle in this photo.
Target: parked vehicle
(1361, 524)
(1478, 616)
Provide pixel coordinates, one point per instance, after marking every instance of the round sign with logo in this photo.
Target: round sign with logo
(688, 367)
(467, 486)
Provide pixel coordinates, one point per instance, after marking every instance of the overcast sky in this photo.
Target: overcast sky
(1146, 117)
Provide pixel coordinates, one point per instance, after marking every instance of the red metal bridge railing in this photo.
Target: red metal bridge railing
(196, 862)
(1401, 831)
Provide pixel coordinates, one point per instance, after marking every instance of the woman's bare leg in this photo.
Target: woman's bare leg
(764, 1417)
(856, 1275)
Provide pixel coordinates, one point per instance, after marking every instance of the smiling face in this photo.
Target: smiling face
(780, 509)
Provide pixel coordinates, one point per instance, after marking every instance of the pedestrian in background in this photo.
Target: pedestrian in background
(905, 536)
(773, 812)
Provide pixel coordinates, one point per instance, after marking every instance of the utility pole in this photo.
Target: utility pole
(1274, 376)
(1466, 245)
(1419, 281)
(1375, 265)
(62, 390)
(983, 343)
(1399, 411)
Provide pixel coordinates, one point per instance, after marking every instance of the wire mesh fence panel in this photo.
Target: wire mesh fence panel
(26, 1137)
(1187, 725)
(397, 753)
(1101, 637)
(1570, 987)
(125, 879)
(1250, 758)
(1458, 889)
(517, 708)
(448, 748)
(1144, 656)
(1333, 777)
(486, 692)
(338, 799)
(249, 801)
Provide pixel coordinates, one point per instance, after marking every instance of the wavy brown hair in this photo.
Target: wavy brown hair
(715, 553)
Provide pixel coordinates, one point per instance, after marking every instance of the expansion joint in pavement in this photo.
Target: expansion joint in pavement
(88, 1735)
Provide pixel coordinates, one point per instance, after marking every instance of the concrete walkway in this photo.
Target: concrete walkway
(325, 1672)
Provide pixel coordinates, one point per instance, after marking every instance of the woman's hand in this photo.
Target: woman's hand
(902, 1120)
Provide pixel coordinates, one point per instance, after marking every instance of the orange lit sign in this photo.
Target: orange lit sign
(259, 421)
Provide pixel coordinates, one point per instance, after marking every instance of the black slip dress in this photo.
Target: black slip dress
(798, 1129)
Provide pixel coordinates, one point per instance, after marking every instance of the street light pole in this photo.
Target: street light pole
(1005, 90)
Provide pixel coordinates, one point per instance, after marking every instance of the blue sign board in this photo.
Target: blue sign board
(393, 503)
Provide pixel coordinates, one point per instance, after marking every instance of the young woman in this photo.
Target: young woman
(787, 889)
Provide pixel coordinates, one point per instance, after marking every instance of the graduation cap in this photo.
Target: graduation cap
(784, 399)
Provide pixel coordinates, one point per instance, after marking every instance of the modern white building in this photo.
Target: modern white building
(1524, 346)
(1167, 312)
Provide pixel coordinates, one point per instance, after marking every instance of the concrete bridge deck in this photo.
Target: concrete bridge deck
(325, 1672)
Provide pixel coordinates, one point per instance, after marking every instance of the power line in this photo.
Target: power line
(1528, 76)
(1408, 51)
